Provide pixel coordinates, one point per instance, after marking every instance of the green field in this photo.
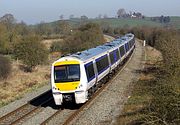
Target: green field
(128, 22)
(124, 23)
(175, 22)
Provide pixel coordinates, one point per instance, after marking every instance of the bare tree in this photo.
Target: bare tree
(8, 20)
(64, 27)
(99, 16)
(84, 17)
(105, 16)
(121, 12)
(61, 17)
(71, 16)
(130, 13)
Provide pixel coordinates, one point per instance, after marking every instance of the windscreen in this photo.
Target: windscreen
(66, 73)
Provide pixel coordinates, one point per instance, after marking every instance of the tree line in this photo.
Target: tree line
(161, 19)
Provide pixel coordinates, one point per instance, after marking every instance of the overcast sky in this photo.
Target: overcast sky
(34, 11)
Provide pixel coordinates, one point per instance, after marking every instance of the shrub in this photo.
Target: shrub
(5, 67)
(31, 52)
(86, 36)
(3, 39)
(56, 47)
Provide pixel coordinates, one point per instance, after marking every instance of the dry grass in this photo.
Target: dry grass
(19, 82)
(49, 42)
(153, 56)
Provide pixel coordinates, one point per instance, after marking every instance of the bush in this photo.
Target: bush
(31, 52)
(56, 47)
(3, 39)
(85, 37)
(5, 67)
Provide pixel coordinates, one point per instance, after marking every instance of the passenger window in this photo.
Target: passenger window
(117, 54)
(122, 51)
(102, 64)
(90, 71)
(127, 47)
(112, 58)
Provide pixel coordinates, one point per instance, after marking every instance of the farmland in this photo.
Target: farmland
(123, 22)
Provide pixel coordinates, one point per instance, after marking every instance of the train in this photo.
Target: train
(77, 76)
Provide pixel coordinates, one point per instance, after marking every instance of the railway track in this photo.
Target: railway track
(18, 115)
(81, 108)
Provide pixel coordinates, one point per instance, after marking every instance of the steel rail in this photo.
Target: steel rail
(23, 111)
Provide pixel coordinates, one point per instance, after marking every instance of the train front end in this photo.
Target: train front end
(67, 81)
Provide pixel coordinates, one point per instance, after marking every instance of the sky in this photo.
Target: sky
(35, 11)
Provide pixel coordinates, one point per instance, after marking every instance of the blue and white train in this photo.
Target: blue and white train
(77, 76)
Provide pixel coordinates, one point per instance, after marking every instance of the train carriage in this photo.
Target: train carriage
(75, 77)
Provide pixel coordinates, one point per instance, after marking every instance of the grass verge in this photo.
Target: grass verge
(138, 103)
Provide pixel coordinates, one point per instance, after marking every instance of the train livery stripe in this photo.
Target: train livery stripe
(68, 86)
(68, 62)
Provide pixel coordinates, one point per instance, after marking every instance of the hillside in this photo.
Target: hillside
(175, 22)
(129, 22)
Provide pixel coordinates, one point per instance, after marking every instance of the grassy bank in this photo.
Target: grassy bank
(141, 94)
(155, 97)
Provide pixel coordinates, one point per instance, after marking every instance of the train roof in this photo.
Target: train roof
(90, 53)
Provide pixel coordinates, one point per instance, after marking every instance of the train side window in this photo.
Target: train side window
(127, 47)
(117, 54)
(90, 71)
(130, 43)
(122, 51)
(102, 64)
(112, 58)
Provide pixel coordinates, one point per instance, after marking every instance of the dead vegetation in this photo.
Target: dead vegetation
(155, 96)
(20, 82)
(140, 97)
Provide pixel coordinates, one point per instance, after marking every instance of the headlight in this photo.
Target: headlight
(80, 86)
(54, 88)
